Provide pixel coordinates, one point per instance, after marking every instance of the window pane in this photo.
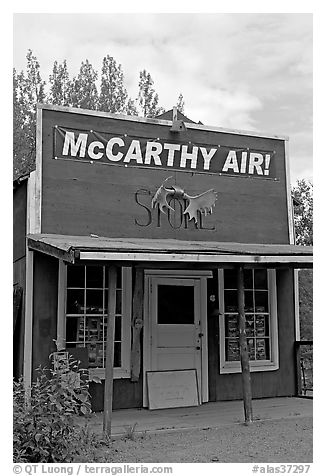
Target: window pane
(175, 304)
(73, 324)
(75, 276)
(260, 276)
(261, 301)
(117, 329)
(232, 350)
(119, 277)
(118, 302)
(262, 325)
(231, 326)
(75, 301)
(249, 301)
(231, 301)
(117, 354)
(230, 279)
(94, 354)
(248, 281)
(262, 349)
(250, 325)
(94, 276)
(251, 348)
(93, 329)
(94, 302)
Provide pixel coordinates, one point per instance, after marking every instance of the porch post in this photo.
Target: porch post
(137, 324)
(109, 355)
(244, 355)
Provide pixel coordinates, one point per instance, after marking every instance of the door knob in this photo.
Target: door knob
(197, 348)
(200, 334)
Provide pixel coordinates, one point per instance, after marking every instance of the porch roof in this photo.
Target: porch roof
(74, 248)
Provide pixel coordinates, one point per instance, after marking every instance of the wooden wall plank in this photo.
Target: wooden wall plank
(19, 220)
(18, 338)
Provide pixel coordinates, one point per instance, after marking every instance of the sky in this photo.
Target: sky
(235, 70)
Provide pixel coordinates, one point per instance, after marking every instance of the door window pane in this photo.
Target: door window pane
(175, 304)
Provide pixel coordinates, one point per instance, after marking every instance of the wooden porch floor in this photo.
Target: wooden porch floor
(208, 415)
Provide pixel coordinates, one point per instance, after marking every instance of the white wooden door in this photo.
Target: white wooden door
(175, 331)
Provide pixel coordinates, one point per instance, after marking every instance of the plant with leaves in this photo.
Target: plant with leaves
(147, 97)
(83, 90)
(181, 103)
(302, 194)
(44, 430)
(28, 90)
(131, 108)
(60, 85)
(113, 94)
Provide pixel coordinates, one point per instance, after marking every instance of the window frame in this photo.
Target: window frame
(126, 311)
(229, 367)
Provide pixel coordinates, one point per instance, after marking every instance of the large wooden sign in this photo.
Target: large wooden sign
(130, 151)
(121, 176)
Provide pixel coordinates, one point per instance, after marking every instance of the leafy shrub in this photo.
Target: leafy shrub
(44, 430)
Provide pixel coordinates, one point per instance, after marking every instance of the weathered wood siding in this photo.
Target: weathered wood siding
(80, 198)
(19, 220)
(45, 300)
(126, 394)
(19, 271)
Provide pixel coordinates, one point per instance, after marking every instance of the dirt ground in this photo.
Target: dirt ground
(278, 441)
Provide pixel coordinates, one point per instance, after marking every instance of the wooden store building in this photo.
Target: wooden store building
(149, 221)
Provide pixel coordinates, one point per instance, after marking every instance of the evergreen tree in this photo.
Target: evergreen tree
(113, 94)
(147, 97)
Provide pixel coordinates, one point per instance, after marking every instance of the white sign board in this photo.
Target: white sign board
(172, 388)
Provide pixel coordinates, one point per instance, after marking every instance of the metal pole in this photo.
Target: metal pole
(109, 362)
(244, 355)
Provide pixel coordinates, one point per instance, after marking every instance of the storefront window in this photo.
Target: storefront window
(86, 313)
(260, 314)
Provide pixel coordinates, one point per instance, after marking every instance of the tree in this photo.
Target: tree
(147, 97)
(83, 90)
(113, 95)
(302, 194)
(181, 103)
(131, 108)
(28, 90)
(60, 85)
